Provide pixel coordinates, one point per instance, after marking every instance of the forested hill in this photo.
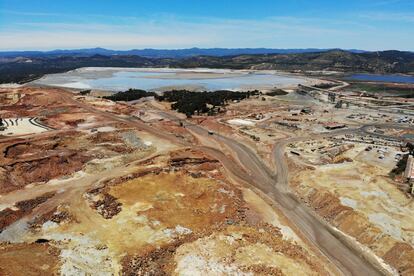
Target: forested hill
(20, 70)
(337, 60)
(162, 53)
(23, 69)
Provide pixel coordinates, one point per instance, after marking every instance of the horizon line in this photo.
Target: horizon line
(198, 48)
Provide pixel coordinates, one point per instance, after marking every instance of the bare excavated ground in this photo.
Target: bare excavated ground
(174, 215)
(359, 198)
(95, 195)
(347, 180)
(29, 259)
(40, 160)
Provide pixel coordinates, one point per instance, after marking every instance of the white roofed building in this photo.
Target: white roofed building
(409, 169)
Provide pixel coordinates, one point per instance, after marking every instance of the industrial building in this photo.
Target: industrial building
(334, 125)
(409, 169)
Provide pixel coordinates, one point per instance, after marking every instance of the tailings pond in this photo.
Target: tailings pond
(162, 79)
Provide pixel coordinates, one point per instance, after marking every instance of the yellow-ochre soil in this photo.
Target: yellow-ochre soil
(361, 200)
(29, 259)
(101, 193)
(174, 214)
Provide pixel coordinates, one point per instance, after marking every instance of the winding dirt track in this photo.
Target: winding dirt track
(245, 165)
(257, 174)
(252, 170)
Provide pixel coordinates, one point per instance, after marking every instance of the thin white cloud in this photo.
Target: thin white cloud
(389, 16)
(168, 31)
(29, 13)
(47, 40)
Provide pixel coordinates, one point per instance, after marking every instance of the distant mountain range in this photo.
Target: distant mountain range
(160, 53)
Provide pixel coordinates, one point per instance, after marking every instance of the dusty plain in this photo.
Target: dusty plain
(99, 194)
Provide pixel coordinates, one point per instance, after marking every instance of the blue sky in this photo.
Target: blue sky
(170, 24)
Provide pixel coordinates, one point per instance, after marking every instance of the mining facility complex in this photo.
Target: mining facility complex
(310, 179)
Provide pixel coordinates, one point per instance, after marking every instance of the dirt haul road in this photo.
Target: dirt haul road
(257, 174)
(283, 186)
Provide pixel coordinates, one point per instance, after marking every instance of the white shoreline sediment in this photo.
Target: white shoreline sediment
(157, 79)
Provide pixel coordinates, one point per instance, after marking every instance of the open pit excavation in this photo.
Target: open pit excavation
(100, 173)
(23, 126)
(301, 180)
(133, 142)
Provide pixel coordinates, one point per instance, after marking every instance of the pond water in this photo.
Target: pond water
(382, 78)
(119, 79)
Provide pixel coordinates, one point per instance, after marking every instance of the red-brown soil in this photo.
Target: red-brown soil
(29, 259)
(9, 216)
